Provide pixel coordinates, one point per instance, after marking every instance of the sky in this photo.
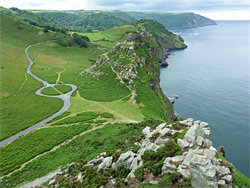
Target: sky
(214, 9)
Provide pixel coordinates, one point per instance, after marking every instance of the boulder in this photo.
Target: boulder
(178, 158)
(199, 140)
(183, 170)
(167, 167)
(95, 161)
(160, 141)
(106, 163)
(133, 36)
(79, 177)
(209, 153)
(125, 160)
(223, 170)
(204, 124)
(164, 131)
(159, 127)
(228, 178)
(182, 143)
(203, 173)
(190, 155)
(222, 182)
(147, 133)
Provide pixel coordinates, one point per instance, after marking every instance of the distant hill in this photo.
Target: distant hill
(98, 20)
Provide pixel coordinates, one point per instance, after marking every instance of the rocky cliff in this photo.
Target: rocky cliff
(168, 155)
(136, 63)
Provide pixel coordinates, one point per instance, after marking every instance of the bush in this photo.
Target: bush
(45, 30)
(107, 115)
(139, 173)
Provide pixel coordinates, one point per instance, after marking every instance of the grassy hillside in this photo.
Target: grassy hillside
(17, 88)
(99, 20)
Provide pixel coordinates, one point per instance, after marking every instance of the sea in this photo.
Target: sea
(212, 79)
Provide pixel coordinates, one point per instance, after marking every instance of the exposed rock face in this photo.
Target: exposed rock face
(194, 160)
(203, 173)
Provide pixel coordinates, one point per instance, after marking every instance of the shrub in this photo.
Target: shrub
(139, 173)
(107, 115)
(178, 135)
(45, 30)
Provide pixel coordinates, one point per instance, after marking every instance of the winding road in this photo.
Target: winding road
(64, 97)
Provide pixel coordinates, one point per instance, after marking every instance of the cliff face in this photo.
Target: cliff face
(175, 155)
(136, 64)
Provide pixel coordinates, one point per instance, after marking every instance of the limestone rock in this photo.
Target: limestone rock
(167, 167)
(209, 153)
(203, 173)
(223, 170)
(182, 143)
(204, 124)
(125, 160)
(147, 133)
(199, 140)
(106, 163)
(222, 182)
(190, 155)
(164, 131)
(228, 178)
(160, 141)
(79, 177)
(159, 127)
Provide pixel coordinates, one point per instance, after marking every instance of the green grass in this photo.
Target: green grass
(78, 118)
(239, 179)
(20, 106)
(65, 114)
(99, 89)
(86, 147)
(26, 109)
(50, 91)
(57, 90)
(35, 143)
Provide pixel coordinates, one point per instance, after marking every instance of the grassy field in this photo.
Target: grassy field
(20, 107)
(109, 138)
(31, 145)
(57, 90)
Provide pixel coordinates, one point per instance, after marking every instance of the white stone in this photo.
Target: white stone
(228, 178)
(182, 143)
(209, 153)
(151, 146)
(204, 124)
(184, 172)
(79, 177)
(197, 122)
(160, 141)
(199, 140)
(164, 131)
(222, 182)
(159, 127)
(146, 131)
(106, 163)
(212, 148)
(178, 158)
(190, 155)
(153, 182)
(113, 181)
(203, 173)
(208, 143)
(190, 120)
(52, 181)
(207, 132)
(167, 167)
(125, 160)
(223, 170)
(198, 151)
(96, 161)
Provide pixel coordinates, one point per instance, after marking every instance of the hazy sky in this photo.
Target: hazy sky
(215, 9)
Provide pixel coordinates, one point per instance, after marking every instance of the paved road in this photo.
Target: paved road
(64, 97)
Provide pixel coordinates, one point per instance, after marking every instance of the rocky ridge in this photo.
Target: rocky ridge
(189, 154)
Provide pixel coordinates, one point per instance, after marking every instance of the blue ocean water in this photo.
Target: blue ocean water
(212, 79)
